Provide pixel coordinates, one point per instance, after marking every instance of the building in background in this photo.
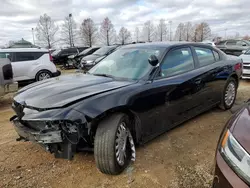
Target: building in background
(22, 44)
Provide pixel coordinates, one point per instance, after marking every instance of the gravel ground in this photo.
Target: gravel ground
(182, 157)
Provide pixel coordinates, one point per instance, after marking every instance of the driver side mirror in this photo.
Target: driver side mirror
(153, 60)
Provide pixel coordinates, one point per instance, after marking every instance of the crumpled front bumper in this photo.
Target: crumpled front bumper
(32, 135)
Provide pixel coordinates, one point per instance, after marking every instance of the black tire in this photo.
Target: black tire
(223, 105)
(105, 145)
(38, 75)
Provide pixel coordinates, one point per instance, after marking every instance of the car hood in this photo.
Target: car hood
(241, 128)
(91, 57)
(245, 58)
(65, 90)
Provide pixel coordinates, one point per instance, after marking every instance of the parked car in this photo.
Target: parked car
(89, 61)
(75, 59)
(233, 152)
(60, 57)
(233, 47)
(209, 42)
(246, 64)
(134, 94)
(30, 63)
(6, 77)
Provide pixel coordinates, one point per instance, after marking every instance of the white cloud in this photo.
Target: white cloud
(18, 17)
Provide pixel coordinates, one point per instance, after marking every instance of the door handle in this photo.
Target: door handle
(197, 81)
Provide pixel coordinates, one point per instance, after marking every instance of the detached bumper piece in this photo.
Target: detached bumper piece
(60, 138)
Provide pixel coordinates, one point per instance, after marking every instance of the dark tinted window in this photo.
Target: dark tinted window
(216, 55)
(221, 43)
(28, 56)
(231, 42)
(205, 56)
(176, 62)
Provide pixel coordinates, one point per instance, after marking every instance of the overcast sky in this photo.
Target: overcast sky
(18, 17)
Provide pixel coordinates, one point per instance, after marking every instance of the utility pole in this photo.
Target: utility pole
(71, 39)
(170, 32)
(33, 35)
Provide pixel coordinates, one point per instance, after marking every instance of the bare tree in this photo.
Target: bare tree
(188, 31)
(88, 32)
(107, 32)
(180, 32)
(137, 34)
(162, 30)
(124, 36)
(46, 30)
(148, 30)
(246, 37)
(68, 31)
(202, 32)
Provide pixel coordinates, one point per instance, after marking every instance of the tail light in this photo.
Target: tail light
(238, 66)
(50, 57)
(7, 72)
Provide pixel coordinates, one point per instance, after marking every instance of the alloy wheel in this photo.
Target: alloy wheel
(230, 94)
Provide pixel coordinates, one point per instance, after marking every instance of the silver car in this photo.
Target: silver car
(246, 64)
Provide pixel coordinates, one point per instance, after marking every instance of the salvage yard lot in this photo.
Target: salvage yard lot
(182, 157)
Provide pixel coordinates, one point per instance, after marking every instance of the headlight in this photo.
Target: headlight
(236, 156)
(90, 62)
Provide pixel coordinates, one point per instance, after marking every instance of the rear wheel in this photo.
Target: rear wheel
(229, 94)
(43, 75)
(114, 146)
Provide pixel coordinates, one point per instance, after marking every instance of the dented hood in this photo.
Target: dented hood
(65, 90)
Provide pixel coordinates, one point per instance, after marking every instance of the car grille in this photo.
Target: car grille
(246, 67)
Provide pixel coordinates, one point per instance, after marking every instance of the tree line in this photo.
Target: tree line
(47, 32)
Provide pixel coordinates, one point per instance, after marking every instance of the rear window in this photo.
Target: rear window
(205, 56)
(27, 56)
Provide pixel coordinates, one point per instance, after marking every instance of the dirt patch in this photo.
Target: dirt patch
(183, 157)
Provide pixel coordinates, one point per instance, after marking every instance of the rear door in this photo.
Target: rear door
(212, 73)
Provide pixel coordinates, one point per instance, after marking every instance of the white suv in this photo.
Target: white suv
(30, 63)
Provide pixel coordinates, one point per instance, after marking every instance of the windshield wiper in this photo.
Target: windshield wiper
(104, 75)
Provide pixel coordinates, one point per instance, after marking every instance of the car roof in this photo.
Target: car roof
(24, 50)
(164, 44)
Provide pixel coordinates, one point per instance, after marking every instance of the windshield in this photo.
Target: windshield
(104, 50)
(247, 52)
(85, 51)
(126, 63)
(55, 52)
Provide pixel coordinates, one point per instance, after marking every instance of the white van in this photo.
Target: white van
(30, 63)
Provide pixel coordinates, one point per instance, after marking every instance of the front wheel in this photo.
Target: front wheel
(229, 94)
(114, 146)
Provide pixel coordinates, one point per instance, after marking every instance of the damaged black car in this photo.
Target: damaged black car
(134, 94)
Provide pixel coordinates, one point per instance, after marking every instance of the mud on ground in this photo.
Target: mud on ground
(183, 157)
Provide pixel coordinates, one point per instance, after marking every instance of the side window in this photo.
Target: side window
(241, 43)
(24, 56)
(6, 55)
(205, 56)
(176, 62)
(231, 43)
(217, 56)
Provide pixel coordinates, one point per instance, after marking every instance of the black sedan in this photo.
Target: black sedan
(136, 93)
(89, 61)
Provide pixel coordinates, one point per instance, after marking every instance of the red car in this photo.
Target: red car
(233, 152)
